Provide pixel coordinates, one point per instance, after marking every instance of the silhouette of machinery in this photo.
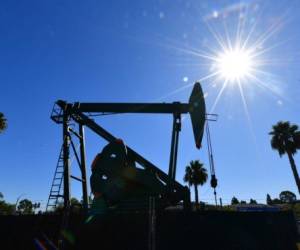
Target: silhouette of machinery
(118, 172)
(116, 178)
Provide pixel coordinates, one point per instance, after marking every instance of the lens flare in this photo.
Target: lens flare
(234, 65)
(236, 55)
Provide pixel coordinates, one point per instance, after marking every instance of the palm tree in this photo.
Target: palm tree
(195, 175)
(285, 139)
(3, 122)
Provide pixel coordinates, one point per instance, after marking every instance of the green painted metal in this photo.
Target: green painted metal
(115, 177)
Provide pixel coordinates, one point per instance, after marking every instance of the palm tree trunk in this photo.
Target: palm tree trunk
(294, 169)
(196, 195)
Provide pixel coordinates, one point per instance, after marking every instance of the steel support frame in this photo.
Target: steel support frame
(66, 159)
(75, 112)
(81, 160)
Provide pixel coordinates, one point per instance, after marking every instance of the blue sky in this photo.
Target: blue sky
(134, 51)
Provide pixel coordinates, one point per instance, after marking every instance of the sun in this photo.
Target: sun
(236, 57)
(234, 64)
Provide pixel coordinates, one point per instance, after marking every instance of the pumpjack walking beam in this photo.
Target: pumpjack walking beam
(150, 108)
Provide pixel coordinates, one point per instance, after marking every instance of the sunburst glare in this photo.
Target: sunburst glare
(235, 64)
(236, 56)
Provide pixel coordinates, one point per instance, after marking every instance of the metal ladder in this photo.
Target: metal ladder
(56, 183)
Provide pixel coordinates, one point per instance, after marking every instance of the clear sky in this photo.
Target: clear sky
(149, 51)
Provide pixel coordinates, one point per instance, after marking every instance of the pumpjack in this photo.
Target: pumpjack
(119, 173)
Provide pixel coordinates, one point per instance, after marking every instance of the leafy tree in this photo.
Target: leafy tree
(76, 206)
(36, 206)
(75, 202)
(287, 197)
(3, 122)
(252, 201)
(269, 200)
(188, 176)
(285, 140)
(5, 208)
(234, 201)
(59, 208)
(243, 202)
(276, 201)
(25, 207)
(195, 175)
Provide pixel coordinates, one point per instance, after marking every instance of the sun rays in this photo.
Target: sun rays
(235, 64)
(235, 55)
